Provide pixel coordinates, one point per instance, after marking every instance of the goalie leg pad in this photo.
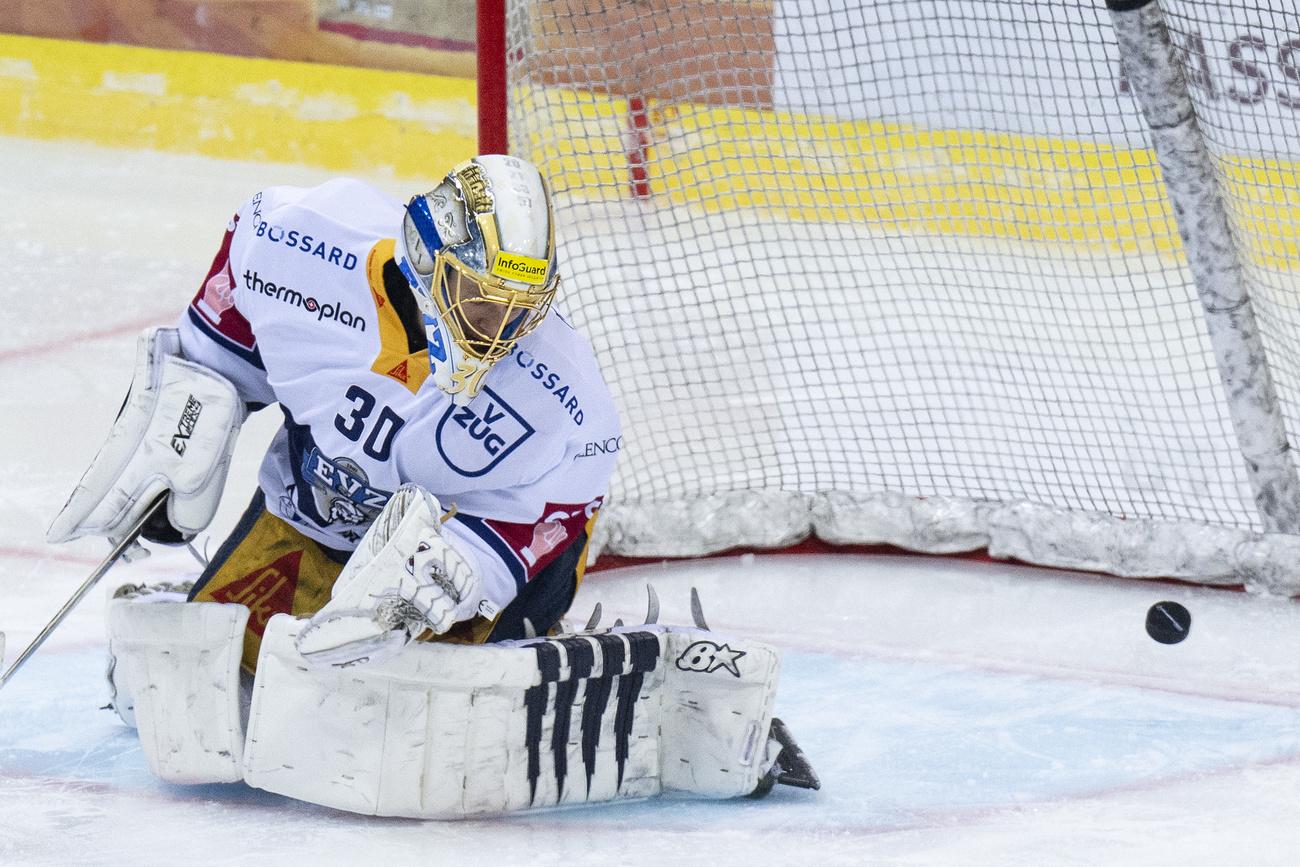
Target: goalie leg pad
(448, 731)
(426, 734)
(717, 712)
(177, 663)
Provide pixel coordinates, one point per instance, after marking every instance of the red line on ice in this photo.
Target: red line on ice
(70, 341)
(15, 552)
(46, 554)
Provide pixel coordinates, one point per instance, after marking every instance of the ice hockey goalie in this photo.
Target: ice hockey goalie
(365, 637)
(351, 710)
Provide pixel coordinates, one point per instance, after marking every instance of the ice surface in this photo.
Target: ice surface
(958, 712)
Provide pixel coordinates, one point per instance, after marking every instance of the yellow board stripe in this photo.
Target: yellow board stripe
(889, 176)
(339, 118)
(904, 179)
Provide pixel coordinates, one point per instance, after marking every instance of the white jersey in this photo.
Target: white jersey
(305, 307)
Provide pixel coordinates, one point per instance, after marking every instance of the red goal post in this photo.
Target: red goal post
(923, 273)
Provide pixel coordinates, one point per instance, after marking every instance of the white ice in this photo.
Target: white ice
(959, 712)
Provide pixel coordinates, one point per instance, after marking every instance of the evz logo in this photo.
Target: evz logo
(341, 492)
(185, 427)
(707, 657)
(475, 438)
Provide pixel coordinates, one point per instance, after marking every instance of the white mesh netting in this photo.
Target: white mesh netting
(905, 272)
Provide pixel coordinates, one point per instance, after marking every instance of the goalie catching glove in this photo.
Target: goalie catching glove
(173, 437)
(403, 579)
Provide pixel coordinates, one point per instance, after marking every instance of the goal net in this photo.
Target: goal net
(909, 273)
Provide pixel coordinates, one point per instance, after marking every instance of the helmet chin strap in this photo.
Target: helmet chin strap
(453, 371)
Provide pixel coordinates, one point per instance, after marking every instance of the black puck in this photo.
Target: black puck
(1168, 622)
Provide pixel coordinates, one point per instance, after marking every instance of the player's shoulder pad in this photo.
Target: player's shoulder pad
(560, 359)
(341, 200)
(564, 345)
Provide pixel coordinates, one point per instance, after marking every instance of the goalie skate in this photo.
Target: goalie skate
(791, 767)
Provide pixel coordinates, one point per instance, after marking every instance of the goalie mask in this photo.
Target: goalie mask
(479, 252)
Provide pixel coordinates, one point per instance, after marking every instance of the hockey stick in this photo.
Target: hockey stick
(107, 563)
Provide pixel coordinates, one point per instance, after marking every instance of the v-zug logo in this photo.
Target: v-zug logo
(302, 242)
(475, 438)
(333, 312)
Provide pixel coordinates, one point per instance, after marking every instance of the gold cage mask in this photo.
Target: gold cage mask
(484, 293)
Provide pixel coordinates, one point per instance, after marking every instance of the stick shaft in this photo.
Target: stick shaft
(102, 569)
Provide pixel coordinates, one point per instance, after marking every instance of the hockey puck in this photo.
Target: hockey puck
(1168, 622)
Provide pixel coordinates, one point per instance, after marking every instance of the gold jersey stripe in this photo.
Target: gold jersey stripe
(409, 368)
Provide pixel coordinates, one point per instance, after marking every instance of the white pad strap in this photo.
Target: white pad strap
(178, 663)
(175, 433)
(447, 731)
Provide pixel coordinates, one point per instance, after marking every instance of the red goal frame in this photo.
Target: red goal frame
(493, 133)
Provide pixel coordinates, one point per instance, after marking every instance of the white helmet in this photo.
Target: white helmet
(479, 252)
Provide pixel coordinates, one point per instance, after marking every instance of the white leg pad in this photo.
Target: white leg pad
(717, 710)
(448, 731)
(178, 663)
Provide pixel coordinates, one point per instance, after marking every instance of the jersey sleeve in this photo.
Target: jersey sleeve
(213, 331)
(515, 535)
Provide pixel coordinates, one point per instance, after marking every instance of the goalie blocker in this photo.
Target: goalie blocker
(450, 731)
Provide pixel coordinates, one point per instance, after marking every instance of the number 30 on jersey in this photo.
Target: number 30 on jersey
(379, 434)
